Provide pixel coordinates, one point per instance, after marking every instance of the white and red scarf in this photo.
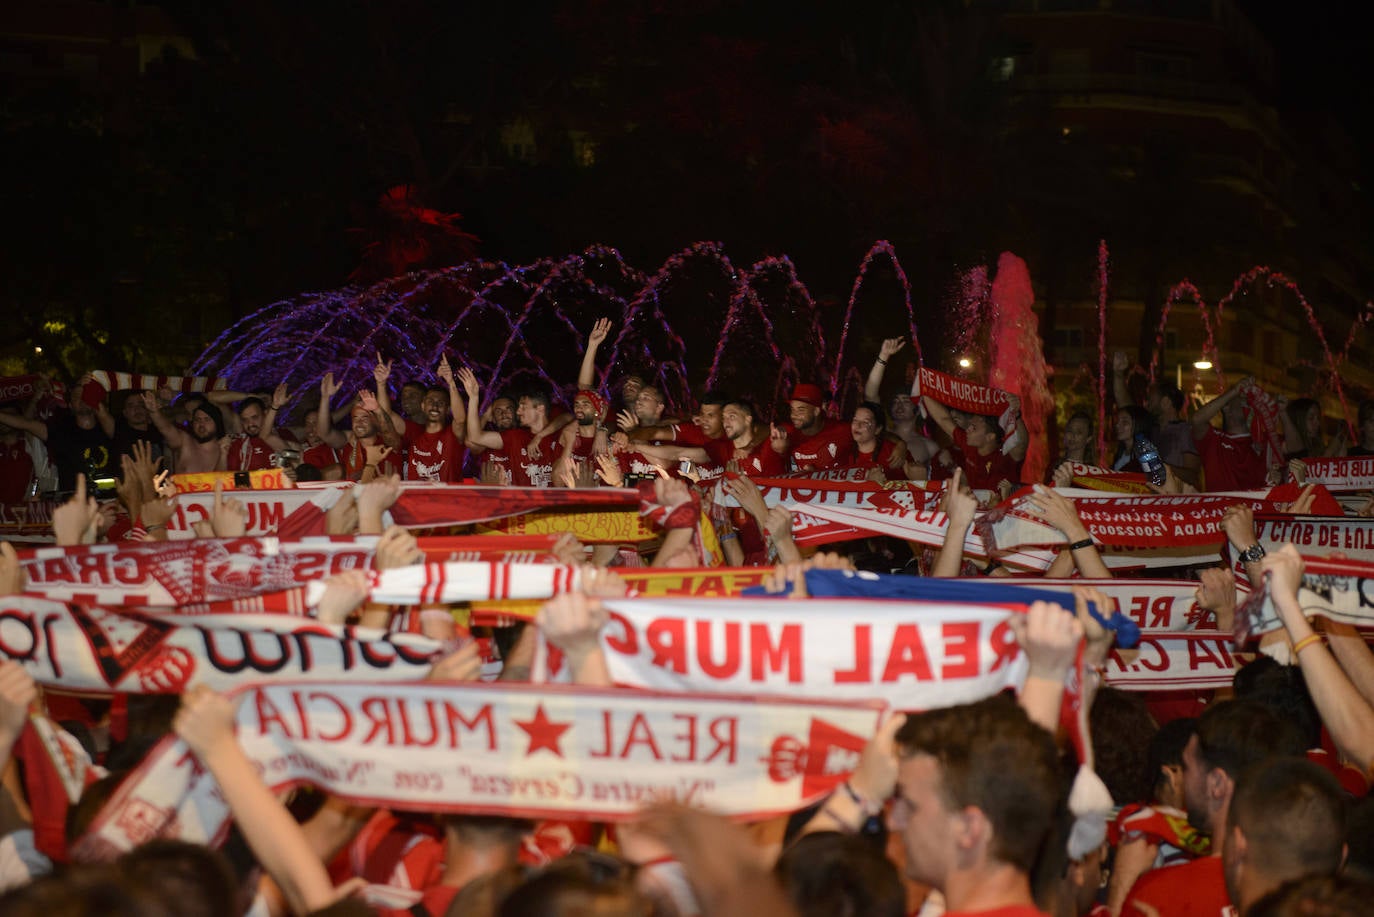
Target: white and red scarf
(82, 648)
(114, 381)
(532, 751)
(912, 655)
(212, 572)
(969, 397)
(1342, 475)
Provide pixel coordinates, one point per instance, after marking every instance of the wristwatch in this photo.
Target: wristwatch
(1253, 554)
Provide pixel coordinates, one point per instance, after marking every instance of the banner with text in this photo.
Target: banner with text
(1344, 474)
(1352, 536)
(531, 751)
(27, 522)
(961, 394)
(99, 649)
(1125, 520)
(913, 655)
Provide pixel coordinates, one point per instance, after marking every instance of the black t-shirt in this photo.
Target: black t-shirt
(78, 451)
(125, 436)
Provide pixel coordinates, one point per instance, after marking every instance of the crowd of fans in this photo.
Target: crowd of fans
(1250, 800)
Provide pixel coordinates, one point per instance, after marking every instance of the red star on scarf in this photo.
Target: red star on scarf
(543, 732)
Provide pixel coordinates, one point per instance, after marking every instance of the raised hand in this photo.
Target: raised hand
(469, 381)
(959, 504)
(17, 693)
(600, 330)
(374, 498)
(1050, 637)
(229, 518)
(397, 548)
(205, 721)
(445, 371)
(626, 420)
(342, 517)
(280, 395)
(368, 400)
(74, 522)
(11, 573)
(461, 664)
(572, 622)
(1238, 525)
(890, 346)
(328, 388)
(1216, 592)
(381, 371)
(343, 593)
(747, 494)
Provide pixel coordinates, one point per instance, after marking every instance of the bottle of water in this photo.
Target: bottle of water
(1147, 456)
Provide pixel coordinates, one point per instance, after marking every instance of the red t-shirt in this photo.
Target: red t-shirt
(435, 457)
(1230, 462)
(583, 446)
(249, 453)
(354, 460)
(880, 457)
(761, 461)
(16, 470)
(321, 456)
(829, 448)
(1193, 889)
(525, 471)
(985, 472)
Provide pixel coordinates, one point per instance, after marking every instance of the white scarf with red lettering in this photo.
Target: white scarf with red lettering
(219, 571)
(99, 649)
(1351, 536)
(1341, 475)
(532, 751)
(912, 655)
(1157, 521)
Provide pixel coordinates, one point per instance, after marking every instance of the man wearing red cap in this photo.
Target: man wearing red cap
(585, 436)
(814, 441)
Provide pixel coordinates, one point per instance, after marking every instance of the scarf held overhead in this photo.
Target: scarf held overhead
(531, 751)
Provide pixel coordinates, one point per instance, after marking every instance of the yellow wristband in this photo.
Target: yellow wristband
(1305, 642)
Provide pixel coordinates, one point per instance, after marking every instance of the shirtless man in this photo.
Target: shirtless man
(905, 424)
(197, 447)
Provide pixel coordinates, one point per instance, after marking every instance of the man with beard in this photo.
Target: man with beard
(585, 437)
(532, 410)
(703, 444)
(434, 451)
(412, 402)
(370, 431)
(253, 447)
(498, 418)
(642, 429)
(750, 441)
(812, 442)
(1231, 737)
(197, 447)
